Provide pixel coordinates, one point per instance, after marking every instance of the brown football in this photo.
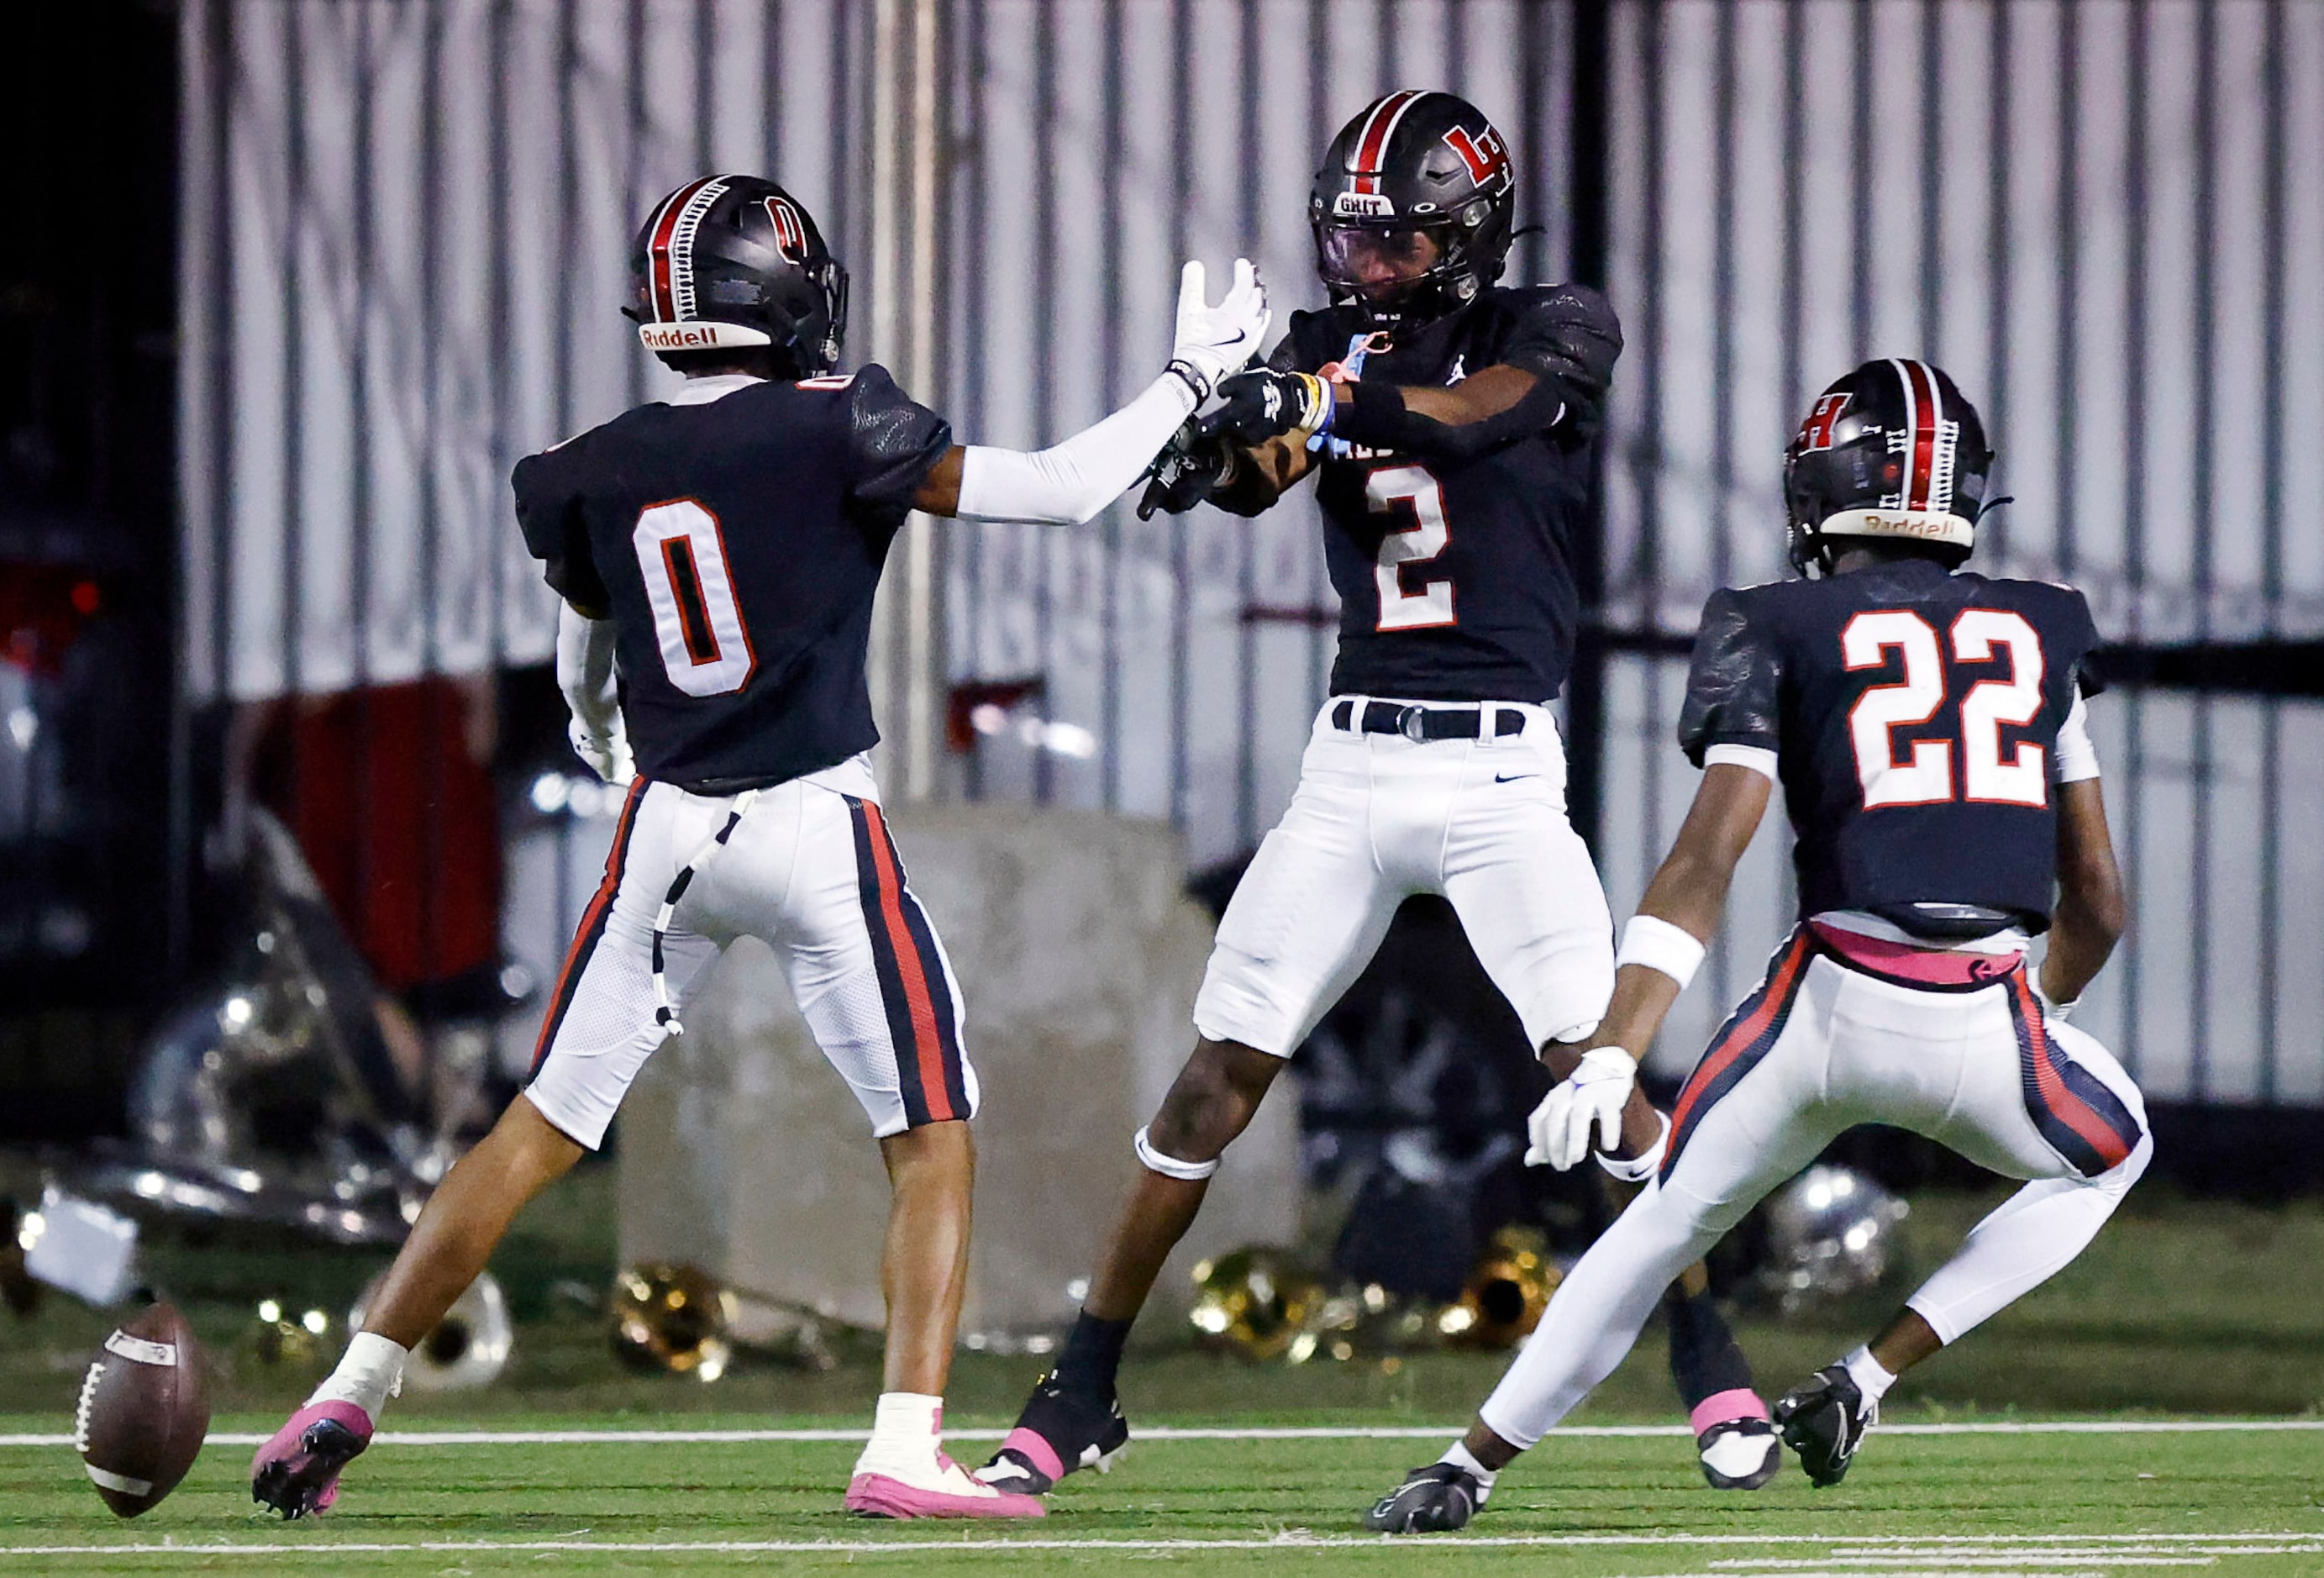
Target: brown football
(144, 1408)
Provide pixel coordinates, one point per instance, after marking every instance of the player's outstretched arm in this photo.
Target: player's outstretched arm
(2091, 911)
(1661, 947)
(1069, 482)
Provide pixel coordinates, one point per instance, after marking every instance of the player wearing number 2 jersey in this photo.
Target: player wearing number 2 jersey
(1927, 726)
(718, 551)
(1451, 424)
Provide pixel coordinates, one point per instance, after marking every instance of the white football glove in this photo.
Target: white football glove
(1592, 1097)
(1215, 341)
(607, 752)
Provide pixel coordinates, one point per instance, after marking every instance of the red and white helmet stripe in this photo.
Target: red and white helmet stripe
(1372, 147)
(670, 247)
(1929, 446)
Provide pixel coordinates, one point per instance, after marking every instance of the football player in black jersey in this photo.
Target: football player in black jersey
(1927, 726)
(717, 551)
(1451, 422)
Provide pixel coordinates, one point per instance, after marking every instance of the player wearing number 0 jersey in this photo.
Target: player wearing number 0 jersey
(1451, 425)
(1927, 726)
(718, 551)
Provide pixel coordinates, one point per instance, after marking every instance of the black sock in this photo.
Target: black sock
(1093, 1355)
(1704, 1360)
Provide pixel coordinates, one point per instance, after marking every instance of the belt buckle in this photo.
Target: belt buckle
(1412, 724)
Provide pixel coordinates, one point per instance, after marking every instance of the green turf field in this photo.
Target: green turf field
(2231, 1502)
(2183, 1310)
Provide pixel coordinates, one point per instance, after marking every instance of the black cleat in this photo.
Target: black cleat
(1058, 1432)
(1823, 1419)
(1739, 1454)
(1435, 1499)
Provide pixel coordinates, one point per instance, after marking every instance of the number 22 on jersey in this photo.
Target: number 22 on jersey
(1415, 489)
(1924, 776)
(704, 649)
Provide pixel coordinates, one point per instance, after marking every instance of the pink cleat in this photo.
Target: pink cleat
(1733, 1440)
(943, 1488)
(298, 1471)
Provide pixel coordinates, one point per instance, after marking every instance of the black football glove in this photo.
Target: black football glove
(1262, 404)
(1186, 472)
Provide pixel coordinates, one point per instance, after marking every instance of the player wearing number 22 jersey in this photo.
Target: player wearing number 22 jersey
(717, 551)
(1452, 426)
(1927, 726)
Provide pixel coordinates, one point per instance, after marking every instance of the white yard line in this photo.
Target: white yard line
(1970, 1553)
(1223, 1433)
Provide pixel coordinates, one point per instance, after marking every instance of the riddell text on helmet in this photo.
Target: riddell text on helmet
(697, 336)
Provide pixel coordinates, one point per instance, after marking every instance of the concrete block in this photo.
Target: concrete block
(1078, 956)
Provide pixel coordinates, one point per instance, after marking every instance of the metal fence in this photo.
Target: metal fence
(405, 225)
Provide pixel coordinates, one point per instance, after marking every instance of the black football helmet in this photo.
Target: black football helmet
(1414, 165)
(1892, 450)
(730, 261)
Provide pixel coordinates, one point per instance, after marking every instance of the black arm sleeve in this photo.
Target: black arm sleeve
(1736, 683)
(892, 444)
(555, 533)
(1374, 414)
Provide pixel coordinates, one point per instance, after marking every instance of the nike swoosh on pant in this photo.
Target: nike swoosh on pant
(1514, 776)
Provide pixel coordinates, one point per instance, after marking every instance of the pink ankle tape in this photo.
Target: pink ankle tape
(1726, 1408)
(1036, 1451)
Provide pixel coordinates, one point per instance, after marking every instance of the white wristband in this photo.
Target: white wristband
(1639, 1168)
(1660, 945)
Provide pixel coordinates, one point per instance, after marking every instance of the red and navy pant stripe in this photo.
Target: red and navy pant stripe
(923, 1022)
(592, 929)
(1741, 1044)
(2083, 1119)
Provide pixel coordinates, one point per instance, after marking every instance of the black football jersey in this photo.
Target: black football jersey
(736, 544)
(1456, 581)
(1914, 714)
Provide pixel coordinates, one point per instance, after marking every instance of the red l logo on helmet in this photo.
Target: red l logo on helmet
(1485, 154)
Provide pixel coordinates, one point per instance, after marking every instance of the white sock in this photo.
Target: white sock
(1867, 1372)
(905, 1430)
(1459, 1455)
(370, 1372)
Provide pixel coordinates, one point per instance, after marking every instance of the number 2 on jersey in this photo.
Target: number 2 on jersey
(1405, 546)
(1926, 776)
(704, 649)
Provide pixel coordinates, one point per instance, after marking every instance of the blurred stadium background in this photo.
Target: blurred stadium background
(292, 283)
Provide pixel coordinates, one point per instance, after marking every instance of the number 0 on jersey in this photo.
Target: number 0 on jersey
(704, 647)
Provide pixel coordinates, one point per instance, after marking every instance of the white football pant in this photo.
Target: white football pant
(1380, 817)
(811, 872)
(1818, 1048)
